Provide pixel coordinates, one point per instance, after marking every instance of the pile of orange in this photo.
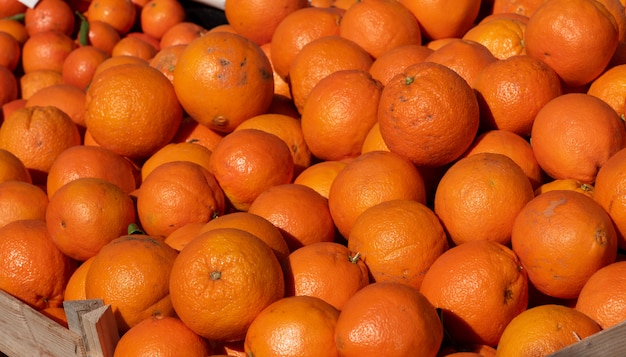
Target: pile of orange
(318, 178)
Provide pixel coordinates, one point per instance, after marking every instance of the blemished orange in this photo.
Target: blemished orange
(442, 19)
(184, 151)
(193, 132)
(102, 35)
(336, 119)
(511, 92)
(181, 33)
(310, 321)
(153, 336)
(80, 65)
(603, 295)
(471, 278)
(395, 60)
(9, 87)
(479, 197)
(198, 197)
(32, 82)
(257, 20)
(289, 208)
(514, 146)
(368, 180)
(255, 225)
(11, 51)
(12, 168)
(132, 109)
(610, 87)
(91, 161)
(320, 175)
(120, 14)
(134, 46)
(21, 200)
(87, 213)
(318, 59)
(46, 50)
(388, 319)
(566, 184)
(562, 237)
(246, 86)
(222, 280)
(50, 15)
(247, 162)
(395, 26)
(522, 7)
(504, 37)
(149, 261)
(398, 240)
(165, 60)
(75, 288)
(466, 57)
(287, 128)
(608, 191)
(37, 272)
(595, 127)
(564, 40)
(299, 28)
(326, 270)
(545, 329)
(158, 16)
(428, 114)
(70, 99)
(37, 135)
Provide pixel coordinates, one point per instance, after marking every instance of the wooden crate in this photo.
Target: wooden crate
(24, 332)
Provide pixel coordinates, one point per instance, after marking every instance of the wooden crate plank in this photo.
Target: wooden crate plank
(609, 342)
(28, 333)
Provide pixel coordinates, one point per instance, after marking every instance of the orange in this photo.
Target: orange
(479, 197)
(281, 87)
(11, 7)
(80, 65)
(505, 15)
(609, 191)
(8, 86)
(582, 118)
(37, 135)
(165, 60)
(566, 184)
(296, 30)
(289, 208)
(153, 336)
(87, 213)
(158, 16)
(91, 161)
(181, 33)
(562, 237)
(120, 14)
(50, 15)
(134, 46)
(247, 162)
(610, 87)
(21, 200)
(75, 288)
(287, 128)
(512, 145)
(37, 271)
(440, 19)
(70, 99)
(257, 20)
(466, 57)
(504, 37)
(149, 261)
(511, 92)
(466, 350)
(428, 114)
(472, 278)
(617, 10)
(320, 176)
(326, 270)
(193, 132)
(103, 36)
(308, 321)
(118, 60)
(184, 151)
(177, 193)
(603, 295)
(222, 280)
(245, 91)
(370, 179)
(46, 50)
(179, 238)
(395, 26)
(388, 319)
(32, 82)
(543, 330)
(132, 109)
(12, 168)
(522, 7)
(398, 240)
(255, 225)
(577, 43)
(336, 119)
(11, 51)
(318, 59)
(12, 106)
(395, 60)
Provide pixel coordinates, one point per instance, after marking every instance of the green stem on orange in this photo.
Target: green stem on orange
(17, 17)
(133, 228)
(354, 258)
(83, 31)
